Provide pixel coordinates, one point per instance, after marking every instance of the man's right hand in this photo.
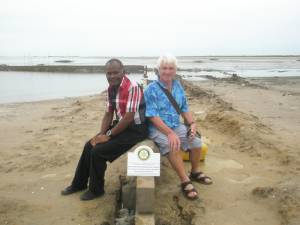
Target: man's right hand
(99, 138)
(174, 141)
(93, 141)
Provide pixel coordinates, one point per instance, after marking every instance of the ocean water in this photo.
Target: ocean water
(34, 86)
(29, 86)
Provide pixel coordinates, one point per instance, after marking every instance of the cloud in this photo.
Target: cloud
(141, 27)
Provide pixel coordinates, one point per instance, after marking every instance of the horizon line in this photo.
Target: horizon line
(139, 56)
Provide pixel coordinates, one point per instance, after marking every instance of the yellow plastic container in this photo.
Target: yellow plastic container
(204, 150)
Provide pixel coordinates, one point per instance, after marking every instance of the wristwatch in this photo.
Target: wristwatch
(108, 133)
(189, 124)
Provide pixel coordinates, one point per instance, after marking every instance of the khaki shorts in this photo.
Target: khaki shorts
(185, 143)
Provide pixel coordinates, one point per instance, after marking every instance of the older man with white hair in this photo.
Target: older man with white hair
(165, 101)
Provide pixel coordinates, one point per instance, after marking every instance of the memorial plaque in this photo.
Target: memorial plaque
(143, 162)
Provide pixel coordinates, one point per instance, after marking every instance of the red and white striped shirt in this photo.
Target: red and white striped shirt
(128, 97)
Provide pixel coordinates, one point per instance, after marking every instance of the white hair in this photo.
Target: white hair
(166, 59)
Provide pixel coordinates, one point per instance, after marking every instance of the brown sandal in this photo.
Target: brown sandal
(201, 178)
(187, 191)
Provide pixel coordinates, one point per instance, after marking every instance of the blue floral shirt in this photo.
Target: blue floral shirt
(158, 104)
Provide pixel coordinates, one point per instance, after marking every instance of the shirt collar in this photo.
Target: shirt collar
(123, 82)
(162, 84)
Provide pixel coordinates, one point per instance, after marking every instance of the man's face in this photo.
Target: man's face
(167, 72)
(114, 74)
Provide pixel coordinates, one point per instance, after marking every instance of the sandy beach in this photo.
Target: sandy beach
(252, 128)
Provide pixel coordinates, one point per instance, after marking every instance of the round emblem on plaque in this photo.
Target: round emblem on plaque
(143, 154)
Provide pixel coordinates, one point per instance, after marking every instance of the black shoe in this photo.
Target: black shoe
(70, 190)
(88, 195)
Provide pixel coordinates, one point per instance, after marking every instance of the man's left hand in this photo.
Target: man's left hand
(193, 128)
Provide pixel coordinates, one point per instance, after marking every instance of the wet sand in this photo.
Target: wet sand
(251, 128)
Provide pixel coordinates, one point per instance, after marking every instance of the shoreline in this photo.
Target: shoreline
(207, 79)
(8, 104)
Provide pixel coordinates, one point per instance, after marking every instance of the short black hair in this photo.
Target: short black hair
(114, 60)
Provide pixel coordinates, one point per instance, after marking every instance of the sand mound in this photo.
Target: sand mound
(286, 197)
(247, 133)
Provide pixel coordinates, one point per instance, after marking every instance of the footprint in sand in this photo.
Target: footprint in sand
(218, 164)
(46, 176)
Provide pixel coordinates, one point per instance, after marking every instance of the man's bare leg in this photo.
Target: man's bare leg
(195, 156)
(177, 163)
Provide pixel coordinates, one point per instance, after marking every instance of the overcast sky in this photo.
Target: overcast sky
(149, 27)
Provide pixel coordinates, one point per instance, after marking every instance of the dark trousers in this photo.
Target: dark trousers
(92, 163)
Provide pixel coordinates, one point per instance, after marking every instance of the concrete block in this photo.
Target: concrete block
(145, 194)
(144, 219)
(147, 142)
